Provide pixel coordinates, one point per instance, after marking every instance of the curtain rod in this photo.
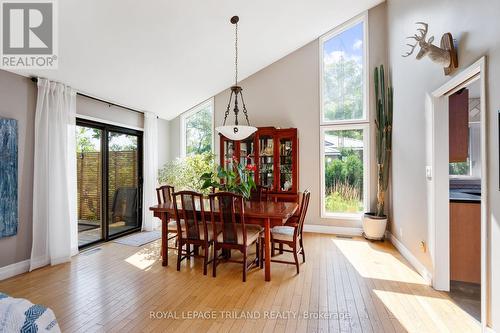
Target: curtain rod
(34, 79)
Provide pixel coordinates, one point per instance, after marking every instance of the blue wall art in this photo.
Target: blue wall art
(8, 177)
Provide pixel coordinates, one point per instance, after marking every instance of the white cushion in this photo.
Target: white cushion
(283, 233)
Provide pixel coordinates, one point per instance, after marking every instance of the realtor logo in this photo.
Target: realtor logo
(28, 34)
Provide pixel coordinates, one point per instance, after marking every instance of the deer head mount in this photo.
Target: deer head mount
(445, 55)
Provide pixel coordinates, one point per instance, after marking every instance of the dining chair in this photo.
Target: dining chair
(192, 228)
(260, 193)
(227, 210)
(164, 195)
(290, 235)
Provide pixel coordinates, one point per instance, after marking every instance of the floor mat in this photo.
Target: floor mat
(140, 238)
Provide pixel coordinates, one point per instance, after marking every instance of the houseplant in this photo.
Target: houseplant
(374, 224)
(237, 179)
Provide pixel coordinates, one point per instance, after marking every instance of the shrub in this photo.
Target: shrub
(185, 173)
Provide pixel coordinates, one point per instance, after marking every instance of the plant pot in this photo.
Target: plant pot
(374, 226)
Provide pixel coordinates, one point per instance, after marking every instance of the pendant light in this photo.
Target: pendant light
(236, 131)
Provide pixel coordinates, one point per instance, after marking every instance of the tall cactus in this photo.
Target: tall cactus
(383, 123)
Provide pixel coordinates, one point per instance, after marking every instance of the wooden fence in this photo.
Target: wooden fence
(122, 172)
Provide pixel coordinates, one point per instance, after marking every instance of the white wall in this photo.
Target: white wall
(286, 94)
(476, 26)
(108, 113)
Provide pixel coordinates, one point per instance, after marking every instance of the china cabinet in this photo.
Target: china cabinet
(274, 152)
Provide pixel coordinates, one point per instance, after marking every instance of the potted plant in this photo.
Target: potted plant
(374, 224)
(237, 179)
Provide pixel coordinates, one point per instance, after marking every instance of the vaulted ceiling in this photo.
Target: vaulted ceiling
(167, 56)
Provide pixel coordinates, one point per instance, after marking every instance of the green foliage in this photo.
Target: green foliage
(186, 173)
(460, 169)
(344, 183)
(348, 169)
(343, 90)
(238, 180)
(199, 132)
(86, 139)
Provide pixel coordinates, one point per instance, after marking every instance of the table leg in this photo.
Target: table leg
(267, 248)
(164, 239)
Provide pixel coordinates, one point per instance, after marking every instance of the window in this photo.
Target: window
(472, 167)
(344, 121)
(197, 133)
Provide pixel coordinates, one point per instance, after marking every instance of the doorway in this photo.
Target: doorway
(109, 177)
(443, 229)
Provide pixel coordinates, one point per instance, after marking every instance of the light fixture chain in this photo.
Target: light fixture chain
(244, 109)
(236, 54)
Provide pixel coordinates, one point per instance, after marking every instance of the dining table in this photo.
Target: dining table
(267, 214)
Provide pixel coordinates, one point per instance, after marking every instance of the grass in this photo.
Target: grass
(343, 198)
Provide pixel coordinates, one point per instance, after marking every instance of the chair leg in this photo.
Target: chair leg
(245, 265)
(179, 255)
(272, 249)
(303, 252)
(281, 248)
(214, 262)
(205, 260)
(261, 256)
(257, 250)
(295, 256)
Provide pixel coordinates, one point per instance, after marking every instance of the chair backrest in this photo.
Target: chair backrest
(304, 204)
(164, 194)
(228, 209)
(125, 204)
(190, 215)
(260, 193)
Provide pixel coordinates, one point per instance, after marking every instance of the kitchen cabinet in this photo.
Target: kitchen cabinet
(465, 242)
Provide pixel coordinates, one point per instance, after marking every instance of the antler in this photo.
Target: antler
(411, 51)
(423, 31)
(417, 38)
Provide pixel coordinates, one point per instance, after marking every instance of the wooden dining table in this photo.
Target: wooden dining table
(264, 213)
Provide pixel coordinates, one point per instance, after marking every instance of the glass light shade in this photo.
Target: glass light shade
(234, 132)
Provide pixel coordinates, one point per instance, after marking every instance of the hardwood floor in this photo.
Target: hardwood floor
(346, 285)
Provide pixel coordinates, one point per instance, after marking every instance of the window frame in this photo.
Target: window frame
(362, 18)
(365, 127)
(183, 121)
(363, 123)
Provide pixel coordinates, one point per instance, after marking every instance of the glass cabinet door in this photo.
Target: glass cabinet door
(286, 164)
(229, 153)
(266, 161)
(247, 153)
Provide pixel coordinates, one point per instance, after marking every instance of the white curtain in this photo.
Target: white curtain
(55, 230)
(150, 169)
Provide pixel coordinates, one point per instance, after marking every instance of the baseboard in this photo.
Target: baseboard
(327, 229)
(14, 269)
(419, 267)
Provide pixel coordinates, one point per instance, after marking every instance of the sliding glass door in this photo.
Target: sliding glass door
(109, 181)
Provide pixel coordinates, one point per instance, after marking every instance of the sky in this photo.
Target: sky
(348, 43)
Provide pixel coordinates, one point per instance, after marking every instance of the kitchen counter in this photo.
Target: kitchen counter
(465, 195)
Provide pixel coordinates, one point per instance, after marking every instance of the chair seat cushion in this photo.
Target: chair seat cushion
(253, 232)
(284, 233)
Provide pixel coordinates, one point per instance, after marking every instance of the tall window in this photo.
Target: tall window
(197, 129)
(344, 121)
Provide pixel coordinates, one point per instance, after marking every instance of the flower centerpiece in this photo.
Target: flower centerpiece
(238, 178)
